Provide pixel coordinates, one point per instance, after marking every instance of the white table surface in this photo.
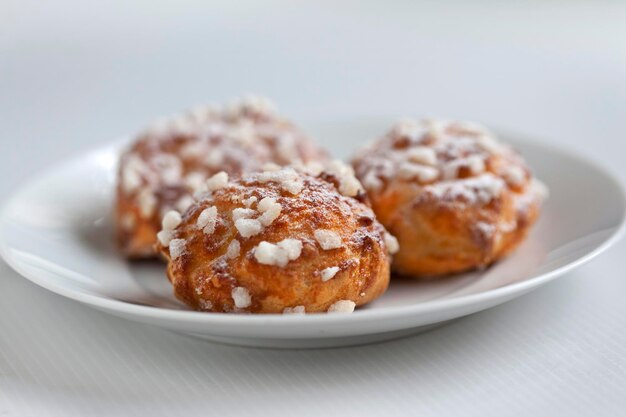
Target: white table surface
(76, 74)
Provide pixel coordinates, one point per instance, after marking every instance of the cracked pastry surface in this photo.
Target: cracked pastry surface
(171, 160)
(455, 197)
(278, 241)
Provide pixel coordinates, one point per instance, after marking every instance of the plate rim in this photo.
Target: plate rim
(280, 320)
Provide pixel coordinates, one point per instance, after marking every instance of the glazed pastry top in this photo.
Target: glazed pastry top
(172, 159)
(282, 232)
(449, 163)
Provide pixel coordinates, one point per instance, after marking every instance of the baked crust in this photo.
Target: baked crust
(333, 254)
(454, 197)
(170, 161)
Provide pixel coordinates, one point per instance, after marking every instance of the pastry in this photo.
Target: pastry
(454, 196)
(170, 161)
(278, 241)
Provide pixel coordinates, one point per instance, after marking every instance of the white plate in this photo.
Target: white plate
(56, 231)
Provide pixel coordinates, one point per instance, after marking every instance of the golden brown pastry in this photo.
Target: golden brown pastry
(452, 194)
(172, 160)
(279, 241)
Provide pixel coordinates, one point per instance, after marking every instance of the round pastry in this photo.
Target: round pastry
(453, 195)
(172, 160)
(278, 241)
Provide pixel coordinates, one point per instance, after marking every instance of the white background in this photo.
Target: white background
(75, 74)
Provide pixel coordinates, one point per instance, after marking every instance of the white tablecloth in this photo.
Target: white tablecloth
(75, 74)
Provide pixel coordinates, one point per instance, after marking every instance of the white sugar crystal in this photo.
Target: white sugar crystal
(243, 213)
(202, 113)
(251, 104)
(248, 202)
(271, 167)
(288, 179)
(474, 190)
(159, 127)
(293, 248)
(476, 164)
(201, 194)
(184, 203)
(407, 128)
(436, 128)
(131, 180)
(233, 249)
(192, 150)
(165, 237)
(132, 173)
(215, 129)
(181, 125)
(422, 155)
(236, 198)
(348, 184)
(147, 202)
(514, 175)
(287, 148)
(507, 227)
(490, 144)
(298, 165)
(269, 254)
(266, 203)
(293, 187)
(127, 221)
(207, 220)
(269, 216)
(409, 171)
(392, 243)
(195, 180)
(177, 247)
(169, 168)
(329, 273)
(280, 176)
(217, 181)
(241, 297)
(280, 254)
(214, 158)
(313, 168)
(471, 126)
(339, 169)
(372, 182)
(270, 209)
(487, 230)
(328, 239)
(258, 104)
(342, 306)
(539, 189)
(171, 220)
(294, 310)
(248, 227)
(486, 187)
(243, 134)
